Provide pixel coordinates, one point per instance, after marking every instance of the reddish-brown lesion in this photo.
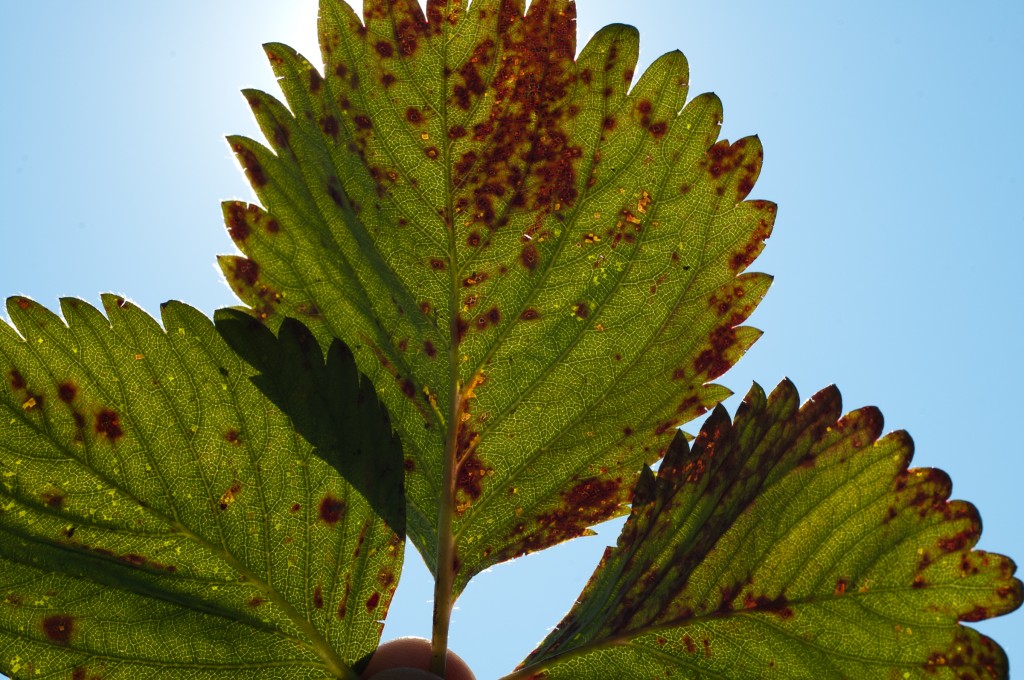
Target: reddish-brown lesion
(108, 425)
(524, 156)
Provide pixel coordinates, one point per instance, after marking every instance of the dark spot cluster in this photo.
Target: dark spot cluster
(108, 425)
(245, 271)
(726, 300)
(471, 473)
(253, 169)
(527, 159)
(645, 110)
(488, 319)
(589, 502)
(715, 361)
(752, 248)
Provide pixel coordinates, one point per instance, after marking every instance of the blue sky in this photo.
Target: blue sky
(889, 135)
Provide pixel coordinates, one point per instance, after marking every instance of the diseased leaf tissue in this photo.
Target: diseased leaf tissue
(538, 258)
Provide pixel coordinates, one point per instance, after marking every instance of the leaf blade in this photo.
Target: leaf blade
(800, 528)
(500, 214)
(141, 473)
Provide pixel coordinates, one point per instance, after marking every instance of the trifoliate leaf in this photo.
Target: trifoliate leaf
(161, 518)
(535, 257)
(792, 544)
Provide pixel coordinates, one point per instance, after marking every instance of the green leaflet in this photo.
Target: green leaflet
(328, 405)
(538, 267)
(159, 517)
(788, 543)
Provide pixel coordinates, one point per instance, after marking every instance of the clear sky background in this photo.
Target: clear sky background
(891, 134)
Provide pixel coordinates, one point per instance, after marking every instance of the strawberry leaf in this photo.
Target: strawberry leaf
(788, 543)
(160, 517)
(535, 257)
(335, 411)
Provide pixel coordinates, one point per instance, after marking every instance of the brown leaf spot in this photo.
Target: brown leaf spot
(957, 542)
(329, 124)
(437, 264)
(59, 628)
(408, 389)
(429, 349)
(316, 81)
(232, 437)
(331, 510)
(246, 271)
(318, 596)
(432, 152)
(17, 381)
(230, 496)
(529, 257)
(581, 310)
(53, 499)
(372, 602)
(976, 614)
(388, 79)
(384, 48)
(67, 392)
(255, 601)
(530, 314)
(295, 508)
(363, 122)
(108, 425)
(238, 226)
(253, 169)
(414, 115)
(471, 471)
(488, 319)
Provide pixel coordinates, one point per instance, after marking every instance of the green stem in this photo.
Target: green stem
(445, 570)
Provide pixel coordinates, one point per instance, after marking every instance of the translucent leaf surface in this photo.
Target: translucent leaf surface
(160, 518)
(536, 258)
(793, 544)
